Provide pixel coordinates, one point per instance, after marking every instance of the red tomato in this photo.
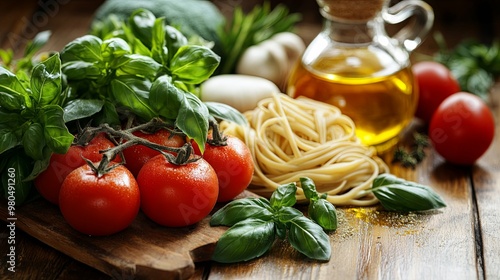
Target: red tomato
(234, 166)
(99, 205)
(462, 128)
(137, 155)
(177, 195)
(435, 83)
(49, 182)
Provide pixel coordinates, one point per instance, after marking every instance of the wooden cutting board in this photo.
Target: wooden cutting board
(145, 250)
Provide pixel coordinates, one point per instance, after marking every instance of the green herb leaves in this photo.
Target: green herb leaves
(146, 67)
(396, 194)
(473, 64)
(256, 222)
(32, 125)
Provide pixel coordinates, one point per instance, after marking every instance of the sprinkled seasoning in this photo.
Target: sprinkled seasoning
(407, 223)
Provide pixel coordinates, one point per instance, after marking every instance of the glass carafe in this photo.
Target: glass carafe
(355, 65)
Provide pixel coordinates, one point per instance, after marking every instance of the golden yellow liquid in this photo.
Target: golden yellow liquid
(368, 87)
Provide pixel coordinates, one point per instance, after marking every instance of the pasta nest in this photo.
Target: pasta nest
(293, 138)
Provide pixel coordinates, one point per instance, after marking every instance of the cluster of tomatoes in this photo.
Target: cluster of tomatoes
(461, 126)
(168, 193)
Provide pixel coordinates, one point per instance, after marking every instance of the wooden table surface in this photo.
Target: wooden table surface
(461, 241)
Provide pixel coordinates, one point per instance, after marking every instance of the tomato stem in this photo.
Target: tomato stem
(218, 138)
(183, 155)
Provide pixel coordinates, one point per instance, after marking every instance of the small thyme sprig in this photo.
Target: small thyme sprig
(410, 158)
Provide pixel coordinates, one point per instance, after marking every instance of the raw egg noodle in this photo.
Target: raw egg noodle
(292, 138)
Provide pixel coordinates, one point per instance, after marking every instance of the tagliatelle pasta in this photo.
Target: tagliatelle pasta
(292, 138)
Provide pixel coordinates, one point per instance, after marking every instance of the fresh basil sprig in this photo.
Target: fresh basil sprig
(396, 194)
(32, 123)
(256, 222)
(320, 210)
(144, 66)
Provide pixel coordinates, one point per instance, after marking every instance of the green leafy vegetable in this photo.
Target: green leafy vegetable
(255, 223)
(242, 209)
(396, 194)
(82, 108)
(309, 238)
(143, 66)
(475, 65)
(226, 112)
(32, 125)
(245, 240)
(320, 210)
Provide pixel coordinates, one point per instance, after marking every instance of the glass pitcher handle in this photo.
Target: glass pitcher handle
(412, 35)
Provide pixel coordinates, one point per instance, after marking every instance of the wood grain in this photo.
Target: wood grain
(458, 242)
(145, 250)
(486, 182)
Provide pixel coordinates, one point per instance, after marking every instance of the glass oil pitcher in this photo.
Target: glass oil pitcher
(355, 65)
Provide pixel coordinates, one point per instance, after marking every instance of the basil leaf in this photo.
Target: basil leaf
(40, 165)
(165, 98)
(86, 48)
(37, 43)
(193, 64)
(56, 133)
(192, 119)
(309, 238)
(12, 93)
(139, 48)
(141, 23)
(281, 230)
(79, 70)
(82, 108)
(10, 120)
(108, 115)
(46, 81)
(20, 167)
(113, 49)
(323, 213)
(284, 196)
(286, 214)
(107, 26)
(33, 141)
(174, 40)
(309, 188)
(139, 65)
(244, 241)
(133, 93)
(8, 139)
(396, 194)
(226, 112)
(159, 50)
(241, 209)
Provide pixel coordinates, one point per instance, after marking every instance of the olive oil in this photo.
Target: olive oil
(366, 84)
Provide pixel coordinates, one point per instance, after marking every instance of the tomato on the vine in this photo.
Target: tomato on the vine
(137, 155)
(435, 83)
(462, 128)
(177, 195)
(233, 164)
(48, 183)
(99, 205)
